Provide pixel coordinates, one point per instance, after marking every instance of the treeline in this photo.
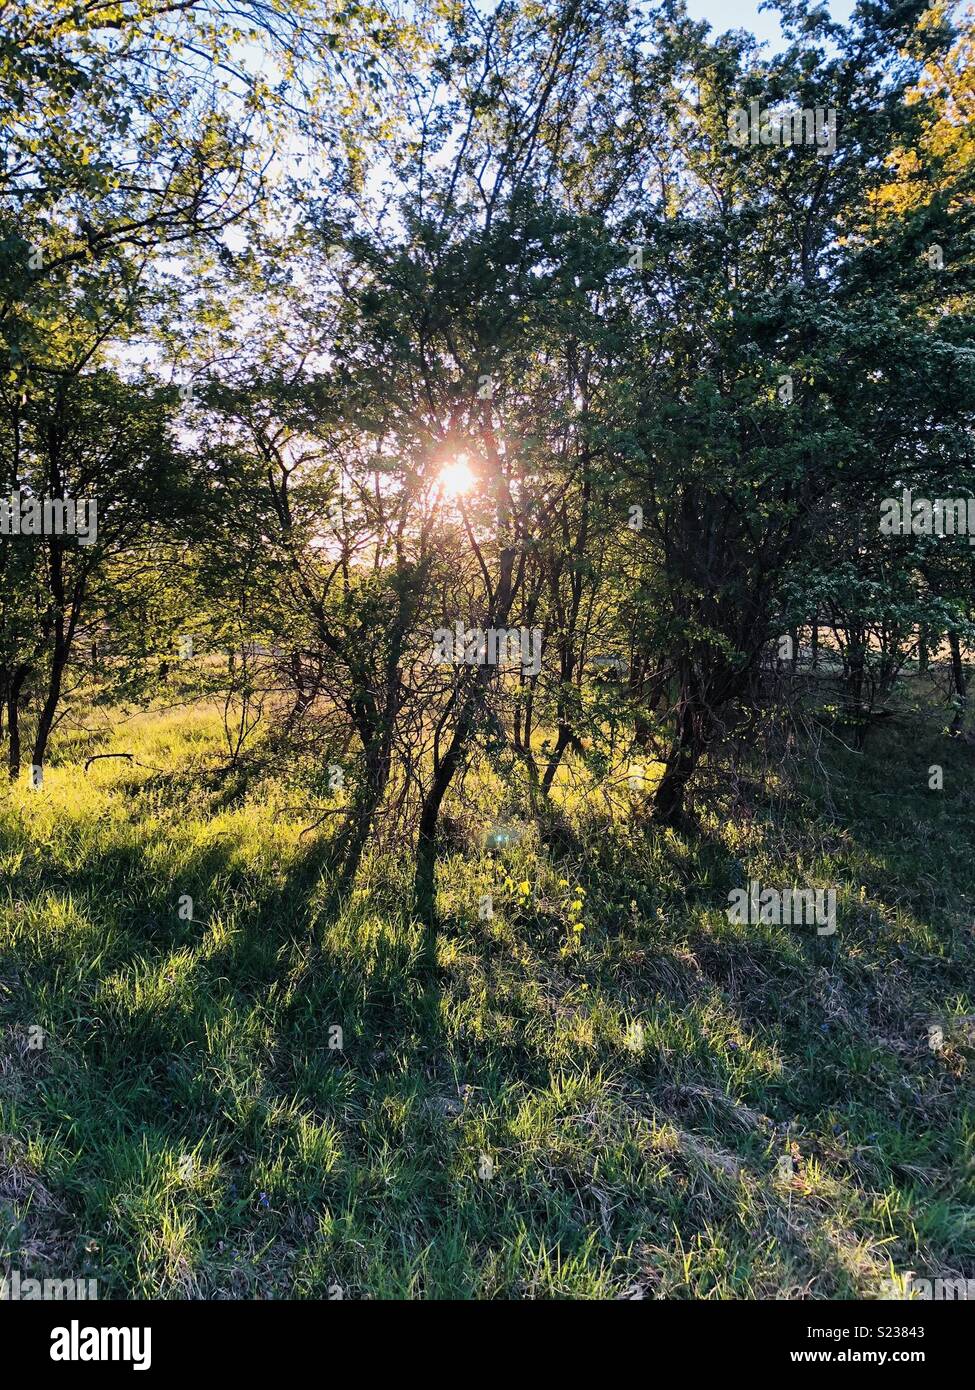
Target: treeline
(481, 321)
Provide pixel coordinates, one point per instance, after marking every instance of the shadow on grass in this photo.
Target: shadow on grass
(496, 1131)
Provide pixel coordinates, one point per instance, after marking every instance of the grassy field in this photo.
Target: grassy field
(610, 1091)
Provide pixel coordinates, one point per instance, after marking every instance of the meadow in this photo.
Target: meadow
(604, 1089)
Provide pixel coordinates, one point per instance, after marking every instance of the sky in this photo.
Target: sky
(744, 14)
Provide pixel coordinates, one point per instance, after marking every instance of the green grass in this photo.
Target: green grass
(187, 1130)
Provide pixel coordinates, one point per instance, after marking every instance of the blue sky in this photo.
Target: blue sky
(744, 14)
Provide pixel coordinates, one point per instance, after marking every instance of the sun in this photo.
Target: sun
(456, 478)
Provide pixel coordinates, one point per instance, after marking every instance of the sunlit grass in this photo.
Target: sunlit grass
(593, 1099)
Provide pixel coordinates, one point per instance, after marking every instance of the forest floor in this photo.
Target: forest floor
(245, 1098)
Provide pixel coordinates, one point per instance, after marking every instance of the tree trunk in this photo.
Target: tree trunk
(13, 723)
(856, 669)
(425, 891)
(424, 883)
(352, 841)
(691, 739)
(959, 682)
(425, 878)
(564, 740)
(46, 721)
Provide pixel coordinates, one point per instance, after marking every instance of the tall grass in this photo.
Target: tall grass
(610, 1091)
